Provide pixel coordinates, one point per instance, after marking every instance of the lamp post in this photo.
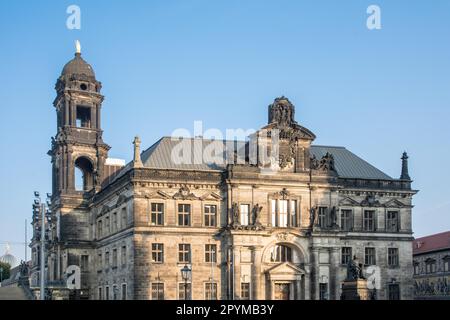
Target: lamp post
(185, 274)
(44, 210)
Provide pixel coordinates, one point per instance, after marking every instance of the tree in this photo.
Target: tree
(6, 270)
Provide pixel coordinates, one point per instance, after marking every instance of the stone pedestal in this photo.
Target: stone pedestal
(355, 290)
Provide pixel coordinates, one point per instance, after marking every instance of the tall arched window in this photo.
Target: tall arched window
(84, 174)
(281, 253)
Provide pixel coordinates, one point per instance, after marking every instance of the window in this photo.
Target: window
(346, 220)
(369, 257)
(369, 220)
(124, 216)
(124, 256)
(100, 261)
(100, 293)
(282, 213)
(124, 291)
(210, 291)
(245, 211)
(184, 253)
(210, 253)
(323, 291)
(394, 291)
(157, 252)
(184, 291)
(99, 229)
(274, 213)
(447, 264)
(114, 258)
(416, 268)
(346, 255)
(114, 222)
(157, 215)
(293, 216)
(107, 261)
(392, 257)
(157, 291)
(210, 215)
(281, 253)
(84, 263)
(430, 265)
(106, 293)
(115, 292)
(392, 221)
(184, 215)
(107, 226)
(245, 291)
(323, 217)
(83, 117)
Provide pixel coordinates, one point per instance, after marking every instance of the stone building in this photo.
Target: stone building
(432, 267)
(246, 227)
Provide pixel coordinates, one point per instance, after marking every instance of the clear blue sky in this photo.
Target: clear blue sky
(165, 64)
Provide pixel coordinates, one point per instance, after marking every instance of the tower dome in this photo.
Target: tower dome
(8, 258)
(78, 66)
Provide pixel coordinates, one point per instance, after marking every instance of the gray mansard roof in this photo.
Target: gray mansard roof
(347, 164)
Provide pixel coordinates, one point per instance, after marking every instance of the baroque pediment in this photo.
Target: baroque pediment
(185, 194)
(347, 201)
(212, 196)
(394, 203)
(285, 268)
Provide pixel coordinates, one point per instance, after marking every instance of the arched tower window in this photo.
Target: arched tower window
(84, 174)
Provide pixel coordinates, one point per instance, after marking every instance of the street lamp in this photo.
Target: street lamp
(185, 274)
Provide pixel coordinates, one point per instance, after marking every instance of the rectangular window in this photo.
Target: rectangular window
(114, 258)
(245, 291)
(99, 229)
(124, 216)
(210, 291)
(323, 213)
(124, 291)
(392, 221)
(107, 226)
(392, 257)
(274, 213)
(84, 263)
(157, 214)
(115, 292)
(210, 215)
(431, 266)
(245, 211)
(83, 117)
(106, 293)
(346, 220)
(124, 256)
(184, 253)
(184, 215)
(114, 223)
(293, 215)
(282, 213)
(157, 291)
(369, 257)
(323, 291)
(100, 294)
(184, 291)
(107, 261)
(416, 269)
(157, 252)
(369, 220)
(446, 264)
(346, 255)
(394, 292)
(100, 262)
(210, 253)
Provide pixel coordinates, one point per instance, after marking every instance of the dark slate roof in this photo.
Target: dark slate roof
(348, 165)
(78, 66)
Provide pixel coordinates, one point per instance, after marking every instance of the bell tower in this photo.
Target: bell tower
(78, 151)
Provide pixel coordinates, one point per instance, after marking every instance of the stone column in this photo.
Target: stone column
(334, 274)
(307, 283)
(257, 293)
(315, 272)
